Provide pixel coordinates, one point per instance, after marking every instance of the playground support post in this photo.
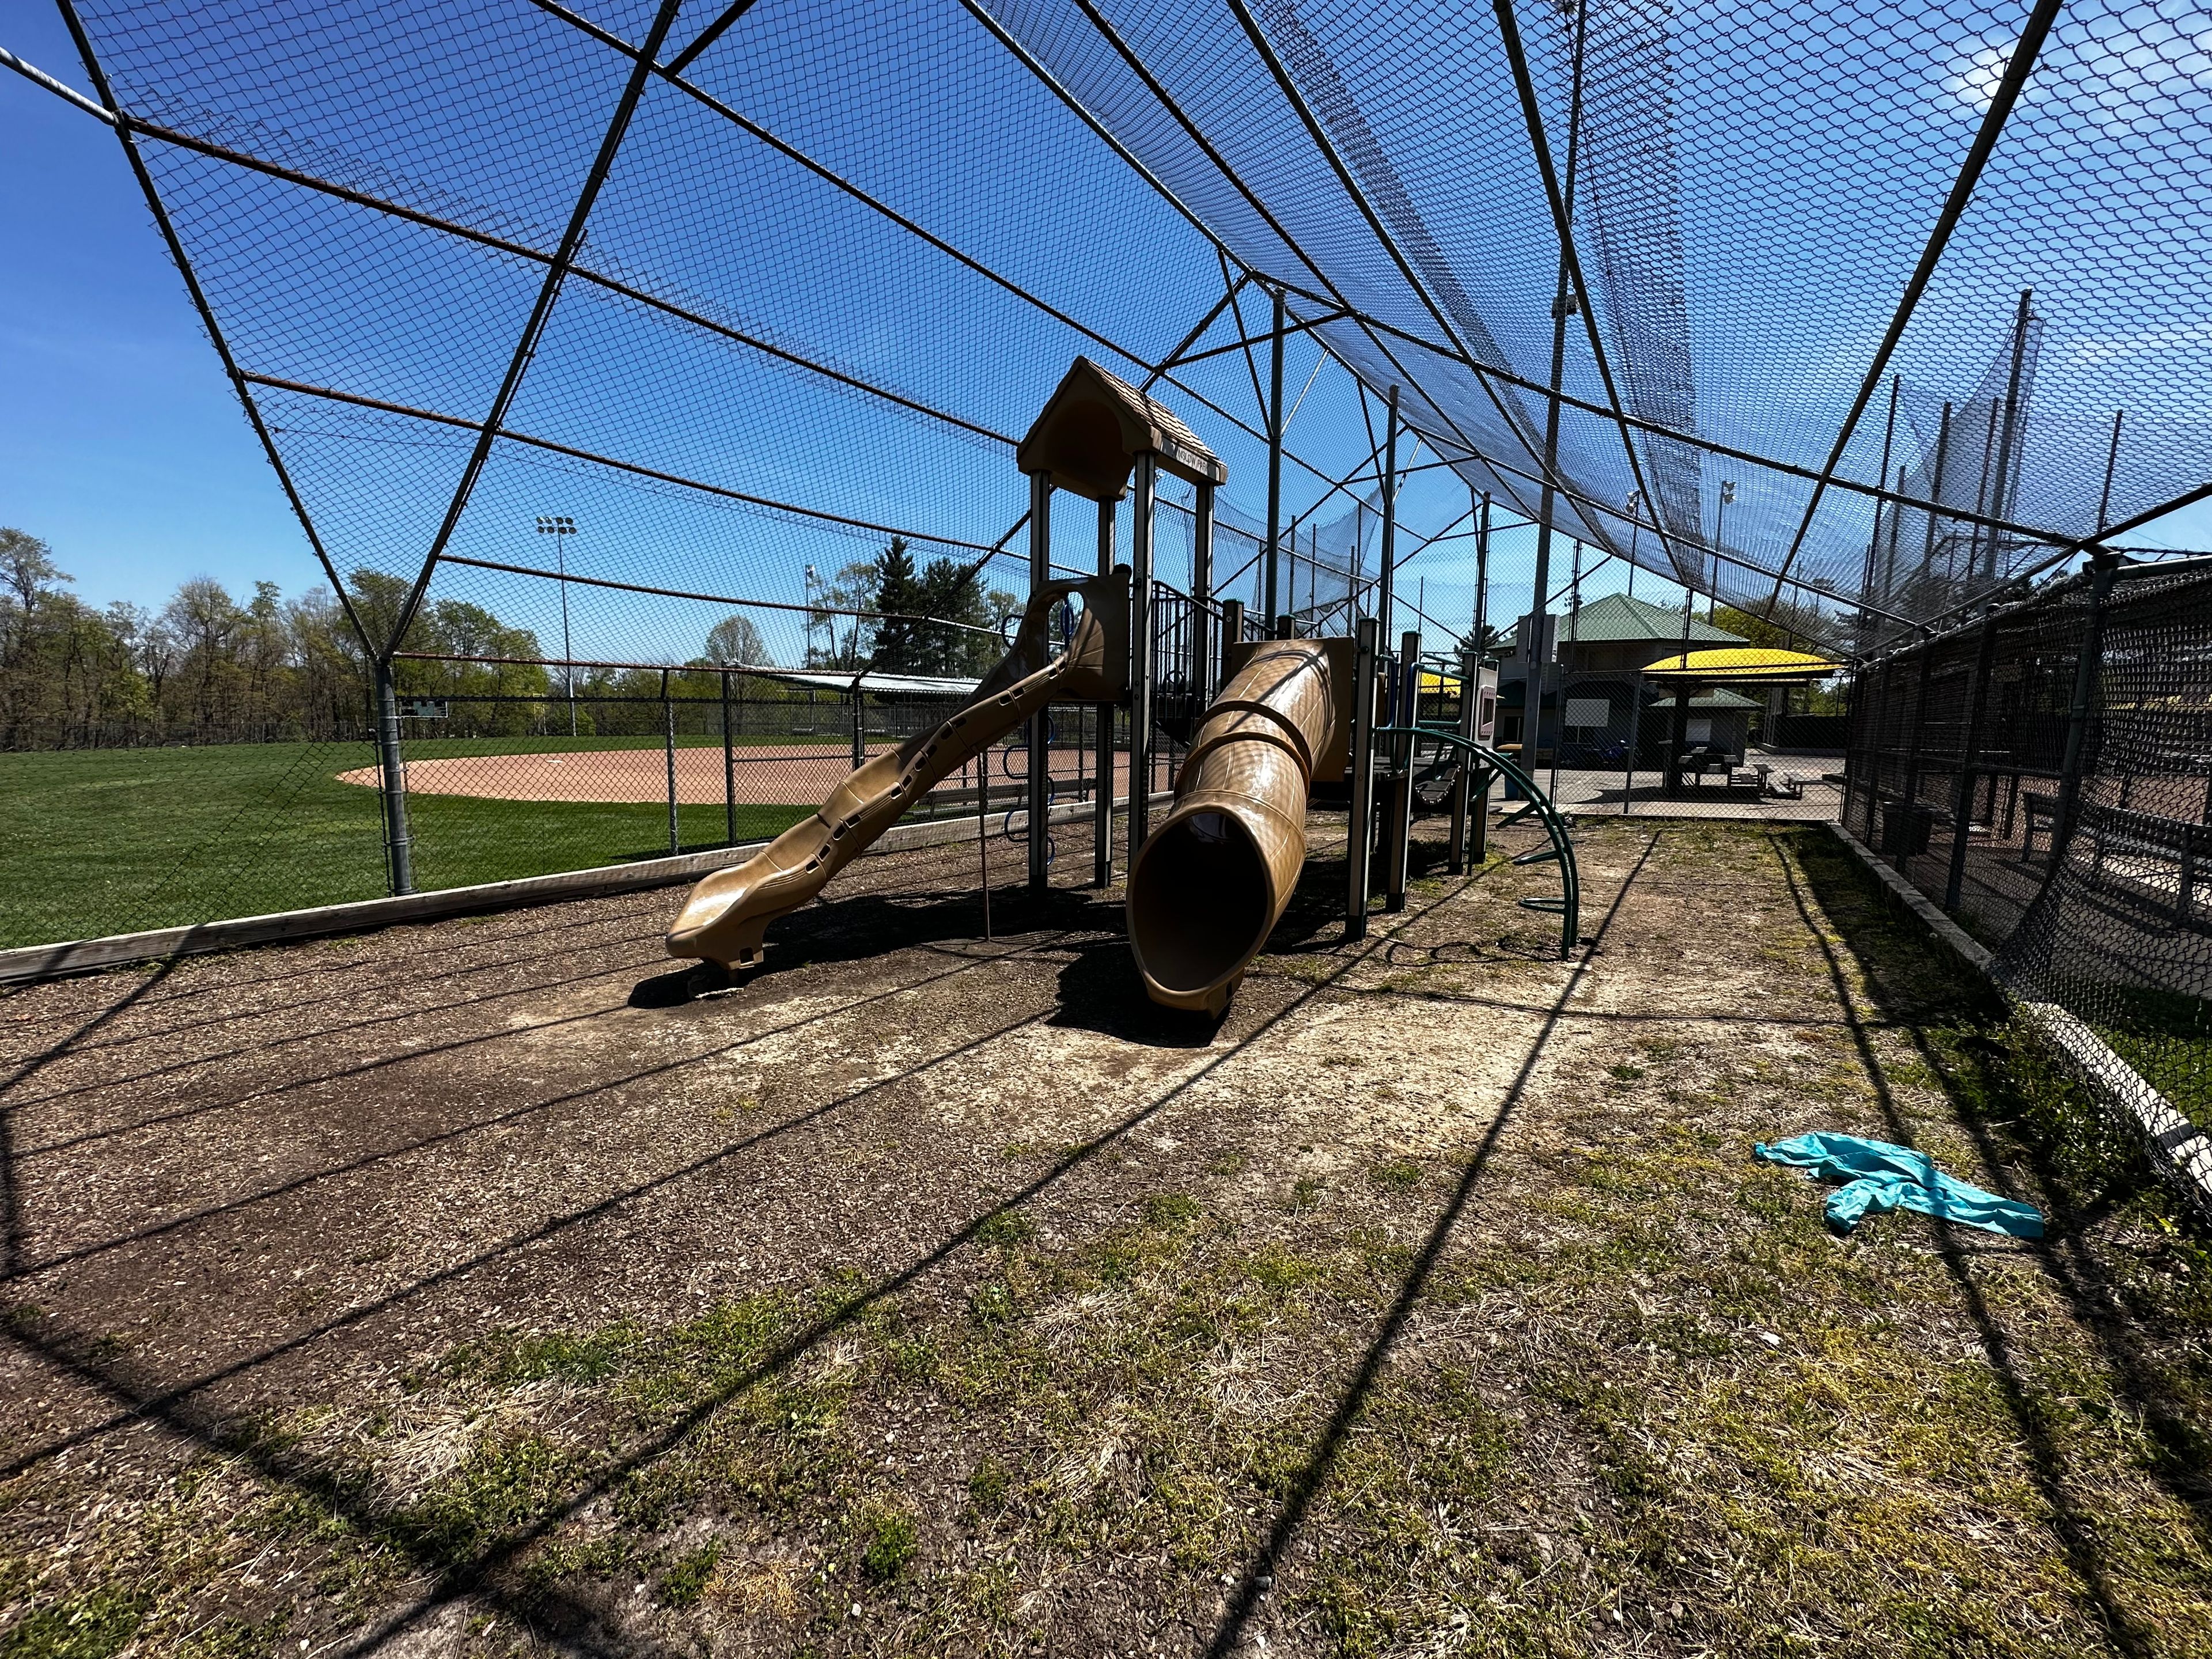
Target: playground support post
(1038, 776)
(1359, 836)
(668, 724)
(1102, 805)
(1399, 825)
(729, 771)
(1470, 694)
(1141, 654)
(1962, 798)
(399, 860)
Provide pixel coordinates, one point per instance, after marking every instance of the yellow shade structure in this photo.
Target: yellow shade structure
(1739, 665)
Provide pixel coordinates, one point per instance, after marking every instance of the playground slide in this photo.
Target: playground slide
(1214, 879)
(726, 915)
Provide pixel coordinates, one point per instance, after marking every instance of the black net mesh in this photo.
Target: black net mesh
(747, 314)
(2043, 775)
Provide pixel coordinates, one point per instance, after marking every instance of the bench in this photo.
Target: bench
(2147, 857)
(2035, 809)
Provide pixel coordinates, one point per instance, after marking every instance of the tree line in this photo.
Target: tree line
(212, 666)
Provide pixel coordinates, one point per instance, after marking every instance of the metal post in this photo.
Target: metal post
(1962, 798)
(1981, 494)
(1634, 736)
(1360, 822)
(1470, 694)
(1936, 495)
(1273, 573)
(1039, 776)
(1386, 595)
(2015, 435)
(1399, 854)
(1910, 798)
(983, 834)
(1482, 578)
(729, 771)
(668, 719)
(2103, 564)
(1873, 541)
(2111, 465)
(1201, 593)
(1140, 652)
(1101, 805)
(399, 858)
(860, 725)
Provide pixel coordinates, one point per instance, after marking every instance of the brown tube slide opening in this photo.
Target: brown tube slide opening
(1203, 907)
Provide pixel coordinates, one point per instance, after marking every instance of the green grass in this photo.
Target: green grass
(111, 841)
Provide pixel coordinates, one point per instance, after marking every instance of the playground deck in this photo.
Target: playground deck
(476, 1288)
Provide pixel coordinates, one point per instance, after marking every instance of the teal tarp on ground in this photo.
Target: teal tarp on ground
(1879, 1177)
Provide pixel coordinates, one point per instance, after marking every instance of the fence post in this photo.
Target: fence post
(1102, 804)
(1909, 798)
(1962, 801)
(1141, 656)
(1634, 736)
(1037, 781)
(398, 856)
(668, 719)
(2103, 565)
(1359, 833)
(729, 770)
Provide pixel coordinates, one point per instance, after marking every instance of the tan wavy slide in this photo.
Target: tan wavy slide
(1214, 877)
(725, 917)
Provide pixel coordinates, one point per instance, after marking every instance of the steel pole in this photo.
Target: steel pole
(729, 770)
(1140, 652)
(1039, 777)
(1101, 805)
(2103, 565)
(1400, 823)
(391, 765)
(1274, 572)
(1962, 798)
(1359, 821)
(668, 718)
(1386, 594)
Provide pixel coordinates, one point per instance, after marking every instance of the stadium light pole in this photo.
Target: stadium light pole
(560, 528)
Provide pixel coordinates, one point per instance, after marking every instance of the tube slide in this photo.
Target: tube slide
(1214, 878)
(727, 914)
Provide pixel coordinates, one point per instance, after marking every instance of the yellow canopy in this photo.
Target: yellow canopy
(1739, 664)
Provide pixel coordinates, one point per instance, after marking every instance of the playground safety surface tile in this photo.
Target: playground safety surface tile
(499, 1286)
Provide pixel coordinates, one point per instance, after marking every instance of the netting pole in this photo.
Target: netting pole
(1936, 495)
(1962, 802)
(1470, 676)
(1360, 821)
(391, 765)
(1634, 736)
(1398, 826)
(2111, 465)
(668, 723)
(1873, 541)
(1386, 593)
(1275, 471)
(1201, 593)
(1910, 798)
(2103, 565)
(729, 771)
(1036, 778)
(1140, 652)
(1101, 806)
(2016, 436)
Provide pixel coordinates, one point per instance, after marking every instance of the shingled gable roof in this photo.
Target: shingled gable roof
(1094, 426)
(1616, 617)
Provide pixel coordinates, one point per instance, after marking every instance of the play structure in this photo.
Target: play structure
(1296, 720)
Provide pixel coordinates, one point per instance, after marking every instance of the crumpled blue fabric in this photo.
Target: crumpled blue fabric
(1882, 1177)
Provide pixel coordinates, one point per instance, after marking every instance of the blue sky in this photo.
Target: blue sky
(121, 446)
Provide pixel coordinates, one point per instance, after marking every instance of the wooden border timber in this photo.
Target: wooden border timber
(31, 963)
(2180, 1150)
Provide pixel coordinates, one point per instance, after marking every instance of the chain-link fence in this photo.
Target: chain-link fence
(492, 786)
(2046, 776)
